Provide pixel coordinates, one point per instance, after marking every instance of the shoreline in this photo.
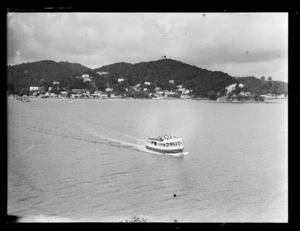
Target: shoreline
(267, 100)
(65, 98)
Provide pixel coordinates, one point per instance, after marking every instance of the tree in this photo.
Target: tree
(269, 83)
(69, 94)
(119, 88)
(88, 85)
(41, 82)
(56, 90)
(276, 88)
(136, 219)
(24, 91)
(212, 95)
(47, 85)
(100, 83)
(263, 78)
(174, 96)
(223, 92)
(270, 78)
(10, 88)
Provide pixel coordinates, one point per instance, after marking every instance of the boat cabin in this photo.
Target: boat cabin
(166, 144)
(166, 141)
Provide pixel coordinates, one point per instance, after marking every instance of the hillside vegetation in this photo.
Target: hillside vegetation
(159, 72)
(202, 82)
(42, 72)
(260, 87)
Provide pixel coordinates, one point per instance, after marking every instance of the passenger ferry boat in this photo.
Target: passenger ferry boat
(165, 144)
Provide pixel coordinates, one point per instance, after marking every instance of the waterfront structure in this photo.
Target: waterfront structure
(33, 88)
(77, 91)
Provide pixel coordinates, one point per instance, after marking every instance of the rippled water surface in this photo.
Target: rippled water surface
(85, 160)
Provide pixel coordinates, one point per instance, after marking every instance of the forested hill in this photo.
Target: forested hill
(41, 72)
(159, 72)
(262, 86)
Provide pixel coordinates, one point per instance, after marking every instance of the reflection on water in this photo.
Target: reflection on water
(86, 161)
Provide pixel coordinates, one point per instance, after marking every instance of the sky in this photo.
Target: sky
(240, 44)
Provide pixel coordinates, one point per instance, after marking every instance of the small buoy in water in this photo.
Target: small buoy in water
(174, 195)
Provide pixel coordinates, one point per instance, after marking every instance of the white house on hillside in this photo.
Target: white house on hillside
(33, 88)
(185, 91)
(63, 93)
(102, 73)
(77, 91)
(120, 80)
(86, 78)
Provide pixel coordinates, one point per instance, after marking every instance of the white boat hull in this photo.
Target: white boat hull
(165, 150)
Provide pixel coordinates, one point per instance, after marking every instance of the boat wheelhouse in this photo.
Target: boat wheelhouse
(165, 144)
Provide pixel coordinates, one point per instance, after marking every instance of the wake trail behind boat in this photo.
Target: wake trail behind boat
(134, 143)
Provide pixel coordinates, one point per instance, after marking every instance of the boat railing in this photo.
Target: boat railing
(164, 137)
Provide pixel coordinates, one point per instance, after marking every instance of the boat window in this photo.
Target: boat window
(154, 143)
(167, 145)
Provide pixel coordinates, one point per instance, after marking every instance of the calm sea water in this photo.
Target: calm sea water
(85, 160)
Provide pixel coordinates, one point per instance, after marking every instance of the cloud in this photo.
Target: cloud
(205, 40)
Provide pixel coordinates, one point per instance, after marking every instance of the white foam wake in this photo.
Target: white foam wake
(135, 143)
